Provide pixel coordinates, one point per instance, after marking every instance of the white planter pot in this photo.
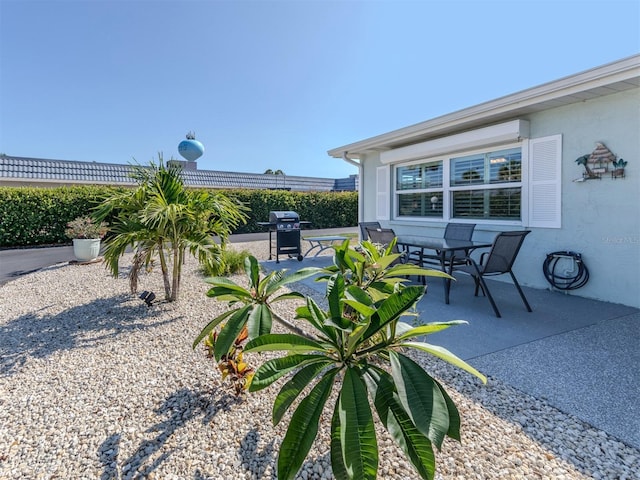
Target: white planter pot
(86, 249)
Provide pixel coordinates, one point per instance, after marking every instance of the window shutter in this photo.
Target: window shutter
(545, 187)
(382, 193)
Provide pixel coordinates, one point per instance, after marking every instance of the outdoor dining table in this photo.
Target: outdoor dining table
(443, 248)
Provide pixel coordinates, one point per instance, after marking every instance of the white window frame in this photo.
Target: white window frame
(447, 189)
(396, 192)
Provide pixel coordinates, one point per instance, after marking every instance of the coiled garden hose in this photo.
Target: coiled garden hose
(562, 278)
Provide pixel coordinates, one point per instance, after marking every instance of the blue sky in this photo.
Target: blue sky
(275, 84)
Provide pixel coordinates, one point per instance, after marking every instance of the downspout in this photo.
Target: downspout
(359, 165)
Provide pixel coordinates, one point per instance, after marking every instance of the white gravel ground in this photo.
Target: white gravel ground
(93, 384)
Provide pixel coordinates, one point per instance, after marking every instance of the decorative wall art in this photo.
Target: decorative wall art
(599, 162)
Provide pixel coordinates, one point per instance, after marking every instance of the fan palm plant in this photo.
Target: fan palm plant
(162, 219)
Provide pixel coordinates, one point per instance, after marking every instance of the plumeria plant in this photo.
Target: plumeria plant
(357, 349)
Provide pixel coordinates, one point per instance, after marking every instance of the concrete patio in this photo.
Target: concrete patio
(580, 355)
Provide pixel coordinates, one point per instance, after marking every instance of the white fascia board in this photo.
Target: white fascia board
(481, 137)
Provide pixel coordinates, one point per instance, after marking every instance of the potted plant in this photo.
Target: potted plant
(86, 235)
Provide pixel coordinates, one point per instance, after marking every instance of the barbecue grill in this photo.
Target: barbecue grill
(287, 226)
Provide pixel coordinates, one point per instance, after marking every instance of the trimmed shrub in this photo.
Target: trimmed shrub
(38, 216)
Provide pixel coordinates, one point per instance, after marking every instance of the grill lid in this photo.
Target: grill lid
(282, 216)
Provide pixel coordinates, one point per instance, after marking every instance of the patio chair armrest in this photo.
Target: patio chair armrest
(473, 266)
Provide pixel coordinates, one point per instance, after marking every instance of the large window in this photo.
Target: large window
(489, 185)
(420, 190)
(484, 185)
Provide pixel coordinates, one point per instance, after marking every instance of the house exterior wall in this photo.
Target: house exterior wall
(600, 218)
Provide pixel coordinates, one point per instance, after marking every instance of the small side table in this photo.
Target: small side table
(322, 243)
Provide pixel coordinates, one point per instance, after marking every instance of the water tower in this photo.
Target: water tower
(191, 149)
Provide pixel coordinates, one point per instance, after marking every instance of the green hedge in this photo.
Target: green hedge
(38, 216)
(322, 209)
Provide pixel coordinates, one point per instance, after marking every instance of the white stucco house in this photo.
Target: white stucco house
(510, 164)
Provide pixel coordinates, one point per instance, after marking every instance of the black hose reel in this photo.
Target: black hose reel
(565, 270)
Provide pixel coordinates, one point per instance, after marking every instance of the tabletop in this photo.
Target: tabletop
(440, 243)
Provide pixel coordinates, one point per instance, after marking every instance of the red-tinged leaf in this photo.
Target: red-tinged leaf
(231, 331)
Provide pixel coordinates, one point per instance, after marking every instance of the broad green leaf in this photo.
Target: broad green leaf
(318, 318)
(354, 339)
(298, 276)
(446, 355)
(232, 290)
(324, 333)
(303, 428)
(252, 269)
(335, 292)
(454, 415)
(359, 273)
(303, 313)
(338, 465)
(230, 331)
(264, 288)
(211, 325)
(272, 370)
(386, 286)
(343, 258)
(283, 341)
(221, 281)
(287, 296)
(259, 322)
(380, 290)
(344, 326)
(370, 248)
(402, 328)
(361, 308)
(356, 429)
(395, 419)
(383, 262)
(355, 256)
(421, 398)
(354, 292)
(392, 307)
(430, 328)
(408, 269)
(292, 389)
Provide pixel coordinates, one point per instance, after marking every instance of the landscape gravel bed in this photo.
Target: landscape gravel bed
(96, 385)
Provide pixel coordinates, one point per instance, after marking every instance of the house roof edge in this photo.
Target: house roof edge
(618, 71)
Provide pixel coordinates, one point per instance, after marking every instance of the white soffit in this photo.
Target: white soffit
(482, 137)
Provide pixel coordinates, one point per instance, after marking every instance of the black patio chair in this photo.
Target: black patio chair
(364, 235)
(384, 236)
(498, 261)
(453, 231)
